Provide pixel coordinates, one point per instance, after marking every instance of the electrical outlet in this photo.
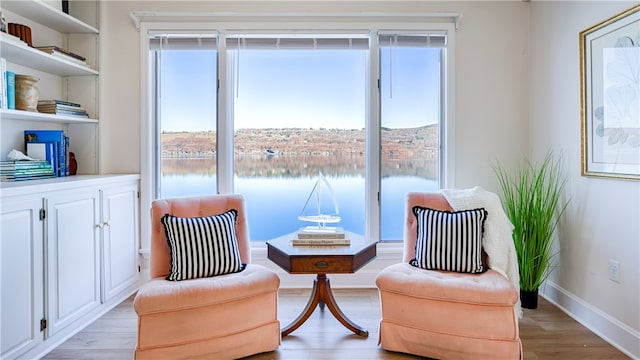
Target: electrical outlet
(614, 270)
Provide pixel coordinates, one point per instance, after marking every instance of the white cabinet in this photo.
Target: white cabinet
(119, 226)
(73, 256)
(63, 272)
(21, 276)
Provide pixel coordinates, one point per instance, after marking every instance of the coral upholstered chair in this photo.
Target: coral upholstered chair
(217, 317)
(444, 314)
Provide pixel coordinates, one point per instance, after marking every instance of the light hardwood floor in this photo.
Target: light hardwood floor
(546, 333)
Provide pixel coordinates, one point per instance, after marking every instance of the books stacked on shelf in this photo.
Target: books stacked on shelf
(61, 107)
(321, 236)
(19, 170)
(51, 146)
(64, 54)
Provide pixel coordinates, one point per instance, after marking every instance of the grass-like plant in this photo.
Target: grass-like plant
(532, 201)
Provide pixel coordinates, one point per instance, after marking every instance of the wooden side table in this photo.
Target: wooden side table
(322, 260)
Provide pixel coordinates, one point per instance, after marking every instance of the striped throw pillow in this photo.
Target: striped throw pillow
(202, 246)
(450, 241)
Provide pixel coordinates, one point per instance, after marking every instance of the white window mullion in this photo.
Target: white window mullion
(372, 147)
(225, 118)
(447, 141)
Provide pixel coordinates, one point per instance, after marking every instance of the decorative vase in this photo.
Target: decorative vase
(529, 299)
(73, 163)
(26, 93)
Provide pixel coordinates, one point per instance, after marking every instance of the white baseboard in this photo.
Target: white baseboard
(616, 333)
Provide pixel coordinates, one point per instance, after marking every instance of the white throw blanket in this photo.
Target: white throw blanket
(497, 241)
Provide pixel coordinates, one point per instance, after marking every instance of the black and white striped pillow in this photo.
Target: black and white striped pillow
(202, 246)
(450, 241)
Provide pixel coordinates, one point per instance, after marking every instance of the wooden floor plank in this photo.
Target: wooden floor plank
(546, 333)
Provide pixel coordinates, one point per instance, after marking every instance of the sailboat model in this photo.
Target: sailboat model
(321, 207)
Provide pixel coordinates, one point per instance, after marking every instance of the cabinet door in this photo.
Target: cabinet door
(73, 256)
(119, 239)
(21, 276)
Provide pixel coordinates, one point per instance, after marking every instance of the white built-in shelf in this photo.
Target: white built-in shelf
(17, 51)
(42, 117)
(48, 16)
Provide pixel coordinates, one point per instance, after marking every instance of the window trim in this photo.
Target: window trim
(373, 24)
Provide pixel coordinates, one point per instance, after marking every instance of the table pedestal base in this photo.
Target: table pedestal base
(321, 295)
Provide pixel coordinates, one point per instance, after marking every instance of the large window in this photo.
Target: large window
(302, 108)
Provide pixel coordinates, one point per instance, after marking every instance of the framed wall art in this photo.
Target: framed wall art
(610, 97)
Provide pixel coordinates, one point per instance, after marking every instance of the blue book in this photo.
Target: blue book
(56, 136)
(67, 167)
(11, 90)
(44, 151)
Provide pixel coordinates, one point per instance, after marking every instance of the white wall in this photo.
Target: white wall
(603, 218)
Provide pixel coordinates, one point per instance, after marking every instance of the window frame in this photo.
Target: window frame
(394, 23)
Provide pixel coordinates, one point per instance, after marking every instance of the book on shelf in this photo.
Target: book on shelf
(58, 102)
(23, 164)
(60, 107)
(19, 170)
(3, 83)
(321, 233)
(10, 178)
(56, 50)
(320, 242)
(10, 79)
(82, 114)
(44, 151)
(64, 54)
(67, 167)
(57, 137)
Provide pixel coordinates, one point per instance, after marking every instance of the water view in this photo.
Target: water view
(276, 188)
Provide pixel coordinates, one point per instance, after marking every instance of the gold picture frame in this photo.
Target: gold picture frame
(610, 97)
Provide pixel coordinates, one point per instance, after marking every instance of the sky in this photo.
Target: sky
(300, 88)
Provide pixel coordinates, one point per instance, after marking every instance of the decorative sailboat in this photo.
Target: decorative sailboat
(323, 210)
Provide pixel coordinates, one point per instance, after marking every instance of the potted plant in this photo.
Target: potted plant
(532, 201)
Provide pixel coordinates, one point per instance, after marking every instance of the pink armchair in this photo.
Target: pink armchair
(222, 317)
(445, 315)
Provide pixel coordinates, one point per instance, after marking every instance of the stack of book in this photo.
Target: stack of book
(18, 170)
(64, 54)
(61, 107)
(331, 236)
(51, 146)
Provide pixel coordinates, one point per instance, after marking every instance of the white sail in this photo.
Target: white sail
(321, 207)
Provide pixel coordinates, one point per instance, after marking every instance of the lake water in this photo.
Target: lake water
(275, 197)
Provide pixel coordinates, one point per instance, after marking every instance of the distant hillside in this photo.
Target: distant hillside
(410, 143)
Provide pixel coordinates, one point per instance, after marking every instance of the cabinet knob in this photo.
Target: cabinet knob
(106, 223)
(99, 226)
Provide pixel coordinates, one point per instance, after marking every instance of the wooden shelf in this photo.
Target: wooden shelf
(19, 52)
(21, 115)
(48, 16)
